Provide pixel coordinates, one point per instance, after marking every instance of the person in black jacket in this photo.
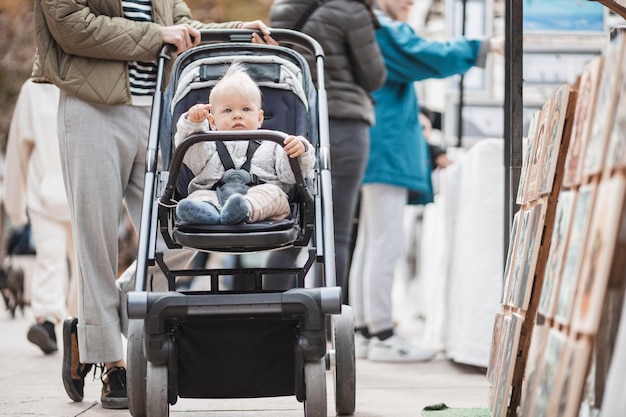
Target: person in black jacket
(353, 68)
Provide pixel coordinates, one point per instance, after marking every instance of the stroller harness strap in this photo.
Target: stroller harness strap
(233, 174)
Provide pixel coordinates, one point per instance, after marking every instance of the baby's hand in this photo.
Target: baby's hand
(295, 146)
(198, 112)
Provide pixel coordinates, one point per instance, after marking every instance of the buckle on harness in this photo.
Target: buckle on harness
(236, 176)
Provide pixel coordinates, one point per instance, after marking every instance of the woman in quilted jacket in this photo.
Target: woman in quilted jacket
(102, 55)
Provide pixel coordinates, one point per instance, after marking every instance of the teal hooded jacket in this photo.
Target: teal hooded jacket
(399, 152)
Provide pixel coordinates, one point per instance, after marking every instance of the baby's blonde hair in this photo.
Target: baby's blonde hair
(236, 78)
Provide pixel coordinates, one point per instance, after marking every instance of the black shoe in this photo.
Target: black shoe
(73, 372)
(43, 335)
(114, 388)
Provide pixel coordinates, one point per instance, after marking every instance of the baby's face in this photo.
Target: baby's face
(235, 111)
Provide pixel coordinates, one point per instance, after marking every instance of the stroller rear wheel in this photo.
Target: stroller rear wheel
(136, 363)
(157, 404)
(315, 386)
(344, 369)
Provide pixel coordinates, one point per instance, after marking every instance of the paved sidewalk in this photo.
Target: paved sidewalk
(30, 385)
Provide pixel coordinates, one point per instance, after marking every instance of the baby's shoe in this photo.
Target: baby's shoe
(235, 210)
(198, 212)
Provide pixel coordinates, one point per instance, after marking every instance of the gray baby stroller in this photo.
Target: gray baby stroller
(245, 341)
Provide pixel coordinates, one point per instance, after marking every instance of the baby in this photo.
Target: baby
(235, 104)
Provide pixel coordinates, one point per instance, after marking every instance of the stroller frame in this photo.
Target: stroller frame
(295, 327)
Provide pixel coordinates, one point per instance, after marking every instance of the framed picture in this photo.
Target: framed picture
(556, 255)
(537, 156)
(526, 154)
(533, 240)
(496, 343)
(614, 400)
(599, 252)
(605, 107)
(510, 257)
(547, 371)
(574, 253)
(564, 16)
(511, 330)
(616, 152)
(518, 261)
(561, 110)
(538, 340)
(583, 116)
(570, 378)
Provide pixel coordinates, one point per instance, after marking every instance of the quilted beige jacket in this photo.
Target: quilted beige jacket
(84, 48)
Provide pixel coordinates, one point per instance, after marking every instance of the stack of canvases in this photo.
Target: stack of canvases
(565, 270)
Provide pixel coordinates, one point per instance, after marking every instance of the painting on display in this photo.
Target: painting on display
(599, 254)
(616, 153)
(554, 137)
(583, 116)
(531, 188)
(614, 400)
(556, 255)
(519, 259)
(496, 343)
(533, 360)
(512, 328)
(546, 374)
(526, 154)
(510, 257)
(574, 253)
(595, 152)
(570, 378)
(527, 277)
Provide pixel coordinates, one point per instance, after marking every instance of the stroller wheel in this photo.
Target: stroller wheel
(344, 369)
(315, 386)
(157, 404)
(136, 362)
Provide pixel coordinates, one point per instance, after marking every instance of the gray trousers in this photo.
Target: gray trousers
(103, 156)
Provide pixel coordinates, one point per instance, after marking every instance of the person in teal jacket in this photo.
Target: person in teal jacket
(399, 163)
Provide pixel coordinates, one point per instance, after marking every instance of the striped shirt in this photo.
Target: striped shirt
(142, 74)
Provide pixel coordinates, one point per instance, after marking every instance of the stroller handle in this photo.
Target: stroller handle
(275, 136)
(284, 36)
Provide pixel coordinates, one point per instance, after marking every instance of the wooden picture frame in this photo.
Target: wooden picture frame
(599, 253)
(595, 152)
(533, 243)
(554, 137)
(537, 157)
(556, 254)
(616, 149)
(526, 154)
(570, 379)
(546, 373)
(536, 348)
(511, 331)
(583, 116)
(496, 344)
(614, 400)
(581, 216)
(519, 259)
(510, 257)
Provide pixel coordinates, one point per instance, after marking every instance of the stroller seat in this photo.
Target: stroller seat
(286, 109)
(239, 237)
